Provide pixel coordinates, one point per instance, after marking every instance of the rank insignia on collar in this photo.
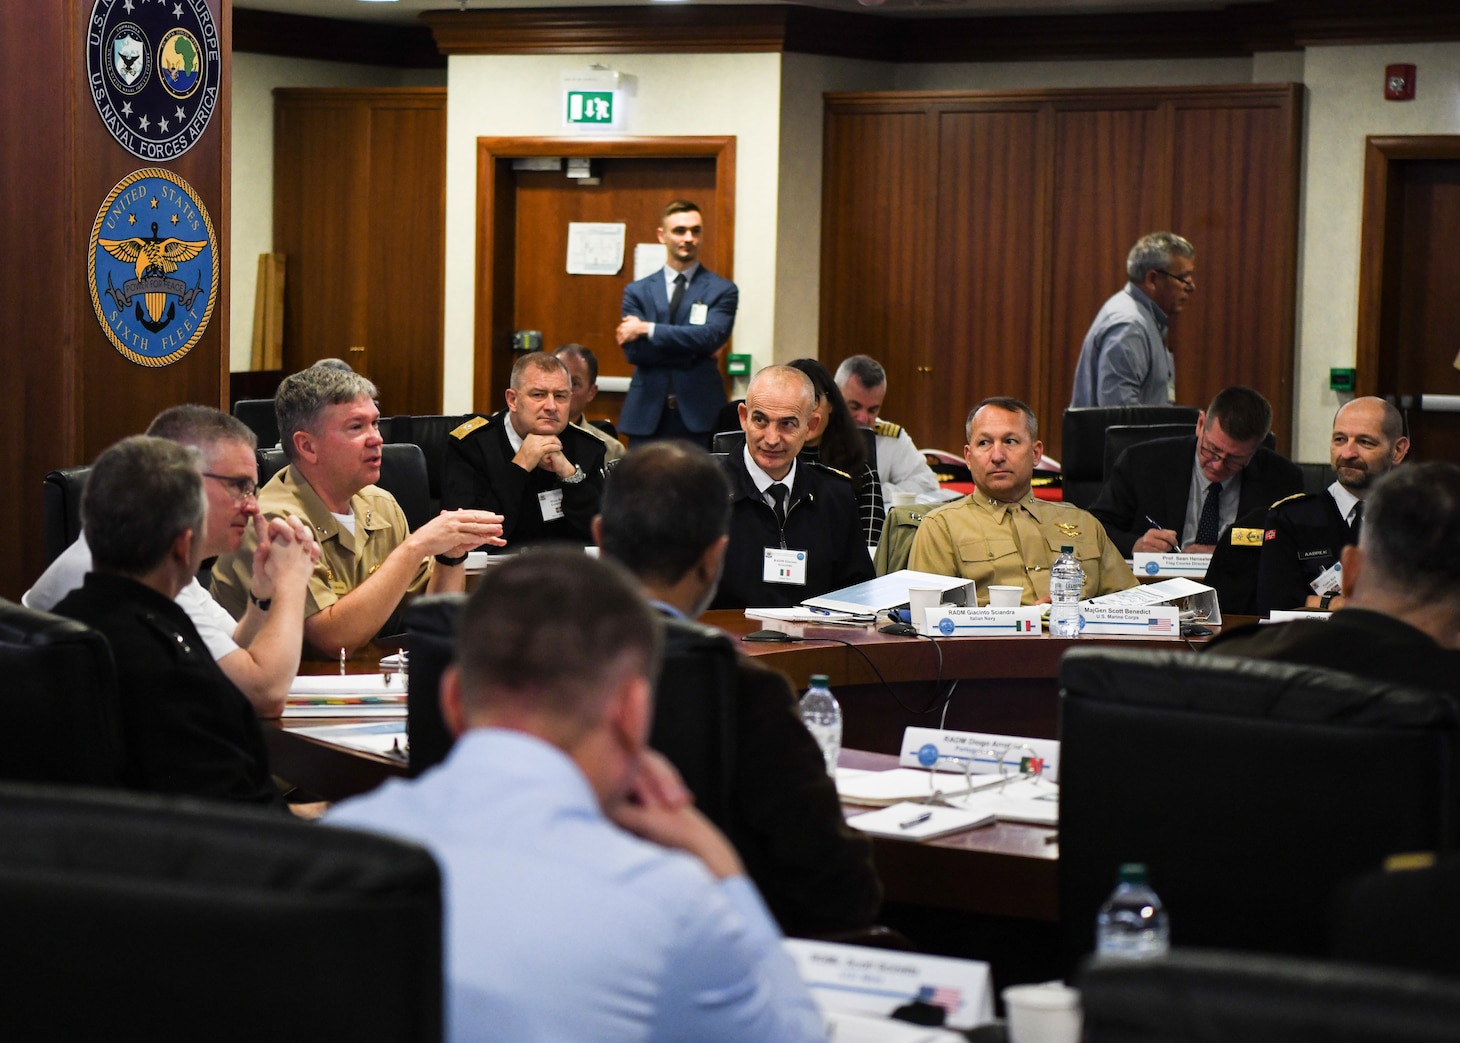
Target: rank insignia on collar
(1068, 529)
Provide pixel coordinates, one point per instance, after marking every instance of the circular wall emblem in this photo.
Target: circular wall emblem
(153, 267)
(153, 68)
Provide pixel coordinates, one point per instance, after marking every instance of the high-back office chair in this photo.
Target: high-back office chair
(1082, 464)
(61, 508)
(59, 696)
(259, 417)
(402, 474)
(1402, 917)
(1197, 996)
(1249, 788)
(1120, 437)
(430, 433)
(430, 626)
(133, 915)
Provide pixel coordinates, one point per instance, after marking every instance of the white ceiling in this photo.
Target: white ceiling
(408, 11)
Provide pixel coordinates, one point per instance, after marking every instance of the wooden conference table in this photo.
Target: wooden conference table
(1006, 685)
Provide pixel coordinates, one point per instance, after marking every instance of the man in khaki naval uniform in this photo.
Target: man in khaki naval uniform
(1001, 533)
(370, 561)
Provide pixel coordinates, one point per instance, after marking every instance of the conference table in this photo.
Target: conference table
(885, 683)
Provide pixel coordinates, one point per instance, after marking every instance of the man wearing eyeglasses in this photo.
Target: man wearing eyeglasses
(259, 652)
(1124, 360)
(1182, 493)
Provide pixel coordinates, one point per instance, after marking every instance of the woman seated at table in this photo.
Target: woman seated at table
(840, 443)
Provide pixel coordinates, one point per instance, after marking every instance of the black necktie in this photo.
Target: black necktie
(778, 493)
(678, 296)
(1358, 521)
(1206, 528)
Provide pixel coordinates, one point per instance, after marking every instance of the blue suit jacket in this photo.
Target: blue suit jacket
(679, 359)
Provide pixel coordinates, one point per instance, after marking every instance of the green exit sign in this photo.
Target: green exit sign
(590, 108)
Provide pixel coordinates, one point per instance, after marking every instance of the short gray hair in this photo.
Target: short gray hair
(1411, 526)
(540, 361)
(865, 368)
(1008, 405)
(303, 396)
(1155, 251)
(201, 427)
(140, 495)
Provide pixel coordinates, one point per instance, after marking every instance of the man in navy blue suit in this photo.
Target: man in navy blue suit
(674, 322)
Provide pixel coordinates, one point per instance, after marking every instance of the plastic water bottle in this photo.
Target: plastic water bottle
(1132, 923)
(822, 715)
(1066, 584)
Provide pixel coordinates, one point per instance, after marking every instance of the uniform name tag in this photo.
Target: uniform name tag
(551, 504)
(784, 566)
(698, 313)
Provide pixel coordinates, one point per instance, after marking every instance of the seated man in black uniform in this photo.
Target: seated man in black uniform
(1401, 591)
(794, 527)
(1303, 535)
(528, 464)
(186, 728)
(1194, 487)
(666, 511)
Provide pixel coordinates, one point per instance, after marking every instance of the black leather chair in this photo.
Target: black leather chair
(1250, 789)
(60, 701)
(430, 432)
(430, 626)
(61, 508)
(1120, 437)
(1083, 464)
(1240, 997)
(402, 474)
(259, 416)
(133, 915)
(1403, 917)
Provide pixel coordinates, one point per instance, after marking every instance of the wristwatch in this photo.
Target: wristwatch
(262, 603)
(1325, 601)
(577, 476)
(448, 560)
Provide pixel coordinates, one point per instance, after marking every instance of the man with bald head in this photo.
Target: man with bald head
(1304, 535)
(794, 528)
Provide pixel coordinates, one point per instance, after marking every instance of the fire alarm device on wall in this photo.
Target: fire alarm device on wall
(1399, 83)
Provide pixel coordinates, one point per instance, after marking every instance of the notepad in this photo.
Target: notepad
(908, 821)
(880, 788)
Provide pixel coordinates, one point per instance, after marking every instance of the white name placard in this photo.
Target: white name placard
(1146, 620)
(987, 752)
(878, 981)
(1173, 564)
(957, 621)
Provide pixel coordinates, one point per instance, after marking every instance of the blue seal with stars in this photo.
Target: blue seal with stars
(152, 67)
(153, 267)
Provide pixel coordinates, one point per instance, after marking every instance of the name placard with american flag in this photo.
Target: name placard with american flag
(1146, 620)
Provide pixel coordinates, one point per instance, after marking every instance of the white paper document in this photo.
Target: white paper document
(909, 821)
(877, 788)
(595, 248)
(648, 259)
(387, 738)
(348, 684)
(887, 591)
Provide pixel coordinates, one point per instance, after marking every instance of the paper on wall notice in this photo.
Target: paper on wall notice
(648, 258)
(595, 248)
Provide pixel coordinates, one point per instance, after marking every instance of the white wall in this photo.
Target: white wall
(251, 213)
(674, 94)
(1345, 105)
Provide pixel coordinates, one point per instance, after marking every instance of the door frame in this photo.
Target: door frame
(496, 226)
(1380, 245)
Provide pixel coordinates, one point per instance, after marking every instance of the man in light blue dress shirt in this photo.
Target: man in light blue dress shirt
(585, 897)
(1124, 360)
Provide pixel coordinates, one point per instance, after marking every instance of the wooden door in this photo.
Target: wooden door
(360, 213)
(1409, 346)
(585, 309)
(522, 241)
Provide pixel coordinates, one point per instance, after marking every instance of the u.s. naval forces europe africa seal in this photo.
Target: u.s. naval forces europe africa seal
(152, 67)
(152, 267)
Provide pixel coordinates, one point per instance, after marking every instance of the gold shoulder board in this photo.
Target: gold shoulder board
(1246, 537)
(887, 429)
(1285, 499)
(468, 427)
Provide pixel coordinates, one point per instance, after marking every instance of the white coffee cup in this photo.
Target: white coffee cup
(902, 499)
(1047, 1013)
(919, 600)
(1004, 596)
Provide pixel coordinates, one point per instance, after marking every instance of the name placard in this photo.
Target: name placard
(1172, 564)
(1146, 620)
(958, 621)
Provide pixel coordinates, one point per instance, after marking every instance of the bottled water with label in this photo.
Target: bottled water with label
(822, 715)
(1132, 923)
(1066, 583)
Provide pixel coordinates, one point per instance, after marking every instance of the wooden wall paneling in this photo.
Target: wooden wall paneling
(321, 190)
(878, 215)
(1109, 177)
(405, 260)
(1236, 196)
(988, 267)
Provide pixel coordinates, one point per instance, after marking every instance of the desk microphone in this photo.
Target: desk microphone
(771, 636)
